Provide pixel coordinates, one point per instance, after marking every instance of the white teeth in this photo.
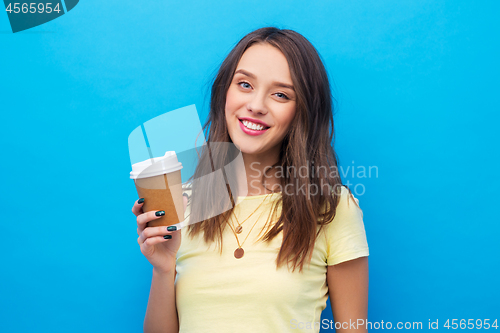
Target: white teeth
(252, 126)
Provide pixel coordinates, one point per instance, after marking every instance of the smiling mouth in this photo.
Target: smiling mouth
(253, 126)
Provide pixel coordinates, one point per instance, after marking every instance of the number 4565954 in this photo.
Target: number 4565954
(470, 324)
(32, 8)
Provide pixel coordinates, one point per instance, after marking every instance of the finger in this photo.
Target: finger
(149, 216)
(152, 241)
(137, 208)
(144, 218)
(152, 232)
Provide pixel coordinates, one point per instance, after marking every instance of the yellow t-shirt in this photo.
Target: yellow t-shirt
(219, 293)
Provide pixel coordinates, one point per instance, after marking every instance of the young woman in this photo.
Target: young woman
(269, 262)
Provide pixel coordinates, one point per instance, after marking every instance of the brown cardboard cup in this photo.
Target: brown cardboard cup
(159, 183)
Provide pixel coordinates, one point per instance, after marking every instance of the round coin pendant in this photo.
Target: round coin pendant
(239, 229)
(238, 253)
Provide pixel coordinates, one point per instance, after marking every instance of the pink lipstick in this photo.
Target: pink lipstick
(251, 131)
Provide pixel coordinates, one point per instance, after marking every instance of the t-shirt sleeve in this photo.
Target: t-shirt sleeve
(345, 235)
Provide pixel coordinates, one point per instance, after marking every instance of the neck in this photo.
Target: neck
(255, 166)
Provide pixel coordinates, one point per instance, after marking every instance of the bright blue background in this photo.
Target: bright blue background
(418, 88)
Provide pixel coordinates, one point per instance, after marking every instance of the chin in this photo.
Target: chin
(247, 148)
(249, 151)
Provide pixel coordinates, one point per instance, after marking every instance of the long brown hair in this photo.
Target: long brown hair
(308, 144)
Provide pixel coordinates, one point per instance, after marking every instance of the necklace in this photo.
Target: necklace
(239, 252)
(239, 228)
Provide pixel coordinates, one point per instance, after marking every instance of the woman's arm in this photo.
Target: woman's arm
(348, 289)
(161, 314)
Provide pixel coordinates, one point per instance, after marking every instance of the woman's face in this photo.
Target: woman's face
(260, 102)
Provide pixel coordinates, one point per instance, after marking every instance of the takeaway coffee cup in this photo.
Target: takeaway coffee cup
(158, 181)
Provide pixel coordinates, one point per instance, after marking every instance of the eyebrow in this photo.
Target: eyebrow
(278, 84)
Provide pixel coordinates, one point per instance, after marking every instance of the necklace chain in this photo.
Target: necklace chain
(238, 253)
(240, 229)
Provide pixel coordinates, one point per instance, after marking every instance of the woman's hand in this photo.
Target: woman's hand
(160, 252)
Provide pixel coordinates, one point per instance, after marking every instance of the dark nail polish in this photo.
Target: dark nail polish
(172, 228)
(167, 236)
(160, 213)
(141, 200)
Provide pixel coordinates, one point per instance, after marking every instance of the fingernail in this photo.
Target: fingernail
(160, 213)
(172, 228)
(167, 236)
(141, 200)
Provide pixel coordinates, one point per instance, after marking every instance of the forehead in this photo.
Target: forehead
(266, 62)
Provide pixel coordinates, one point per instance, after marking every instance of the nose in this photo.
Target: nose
(257, 104)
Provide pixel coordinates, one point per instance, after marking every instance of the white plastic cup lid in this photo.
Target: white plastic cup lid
(161, 165)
